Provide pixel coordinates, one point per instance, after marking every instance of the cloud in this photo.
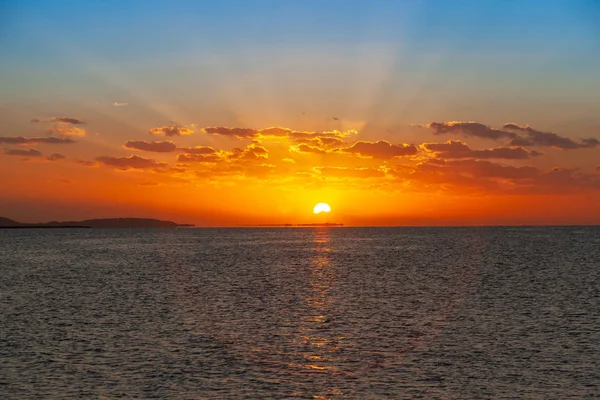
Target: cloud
(199, 158)
(381, 149)
(201, 154)
(274, 132)
(343, 172)
(59, 120)
(251, 152)
(292, 161)
(240, 133)
(305, 148)
(197, 150)
(512, 132)
(87, 163)
(536, 138)
(55, 157)
(35, 140)
(67, 131)
(174, 130)
(132, 162)
(117, 104)
(157, 147)
(23, 153)
(330, 141)
(480, 169)
(453, 149)
(468, 129)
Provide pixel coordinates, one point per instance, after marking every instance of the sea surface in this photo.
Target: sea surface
(300, 313)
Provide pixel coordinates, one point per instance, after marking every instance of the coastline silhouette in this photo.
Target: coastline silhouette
(7, 223)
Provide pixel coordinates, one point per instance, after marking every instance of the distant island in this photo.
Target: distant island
(6, 223)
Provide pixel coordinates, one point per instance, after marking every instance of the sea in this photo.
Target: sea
(300, 313)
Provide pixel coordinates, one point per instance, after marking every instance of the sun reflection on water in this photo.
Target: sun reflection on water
(320, 344)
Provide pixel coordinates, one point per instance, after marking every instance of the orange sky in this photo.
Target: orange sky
(216, 176)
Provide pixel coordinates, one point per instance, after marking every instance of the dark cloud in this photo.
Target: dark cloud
(534, 137)
(240, 133)
(35, 140)
(343, 172)
(55, 157)
(453, 149)
(23, 153)
(480, 169)
(517, 134)
(59, 120)
(132, 162)
(174, 130)
(469, 129)
(381, 149)
(157, 147)
(561, 180)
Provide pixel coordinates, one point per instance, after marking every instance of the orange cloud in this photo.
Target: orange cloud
(322, 141)
(197, 150)
(453, 149)
(67, 131)
(201, 154)
(132, 162)
(381, 149)
(174, 130)
(199, 158)
(273, 132)
(157, 147)
(251, 152)
(305, 148)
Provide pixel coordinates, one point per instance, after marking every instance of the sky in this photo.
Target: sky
(236, 113)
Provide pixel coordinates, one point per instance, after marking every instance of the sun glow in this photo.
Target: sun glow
(321, 207)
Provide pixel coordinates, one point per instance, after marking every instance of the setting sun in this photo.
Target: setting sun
(321, 207)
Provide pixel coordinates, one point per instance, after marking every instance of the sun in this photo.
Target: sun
(321, 207)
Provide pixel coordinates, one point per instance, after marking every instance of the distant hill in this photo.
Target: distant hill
(96, 223)
(8, 222)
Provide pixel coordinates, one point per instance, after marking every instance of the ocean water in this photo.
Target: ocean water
(311, 313)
